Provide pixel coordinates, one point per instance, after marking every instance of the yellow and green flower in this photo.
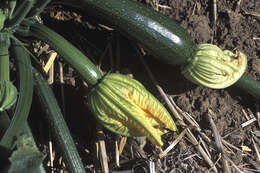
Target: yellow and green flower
(125, 107)
(214, 68)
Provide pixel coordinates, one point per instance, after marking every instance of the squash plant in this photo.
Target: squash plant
(120, 103)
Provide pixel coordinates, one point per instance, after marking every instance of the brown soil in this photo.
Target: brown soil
(237, 28)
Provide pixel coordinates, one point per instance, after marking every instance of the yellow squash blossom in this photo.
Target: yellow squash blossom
(214, 68)
(124, 106)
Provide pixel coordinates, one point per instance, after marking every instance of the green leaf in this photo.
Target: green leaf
(27, 158)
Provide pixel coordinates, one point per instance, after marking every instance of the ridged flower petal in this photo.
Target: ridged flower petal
(214, 68)
(124, 106)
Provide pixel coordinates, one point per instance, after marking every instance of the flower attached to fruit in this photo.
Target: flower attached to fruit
(214, 68)
(124, 106)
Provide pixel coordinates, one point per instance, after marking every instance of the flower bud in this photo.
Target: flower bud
(214, 68)
(124, 106)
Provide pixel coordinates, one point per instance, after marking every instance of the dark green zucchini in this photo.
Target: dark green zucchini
(58, 125)
(70, 53)
(164, 37)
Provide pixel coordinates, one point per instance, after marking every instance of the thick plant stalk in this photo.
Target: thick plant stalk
(20, 13)
(58, 125)
(2, 19)
(250, 85)
(8, 92)
(4, 61)
(25, 97)
(38, 7)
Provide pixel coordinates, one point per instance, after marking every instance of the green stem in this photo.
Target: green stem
(250, 85)
(4, 61)
(2, 19)
(11, 7)
(58, 125)
(38, 7)
(20, 13)
(24, 101)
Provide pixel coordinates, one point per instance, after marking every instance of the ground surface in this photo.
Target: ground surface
(237, 27)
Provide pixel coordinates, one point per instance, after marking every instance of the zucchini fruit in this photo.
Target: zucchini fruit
(164, 37)
(170, 43)
(58, 125)
(70, 53)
